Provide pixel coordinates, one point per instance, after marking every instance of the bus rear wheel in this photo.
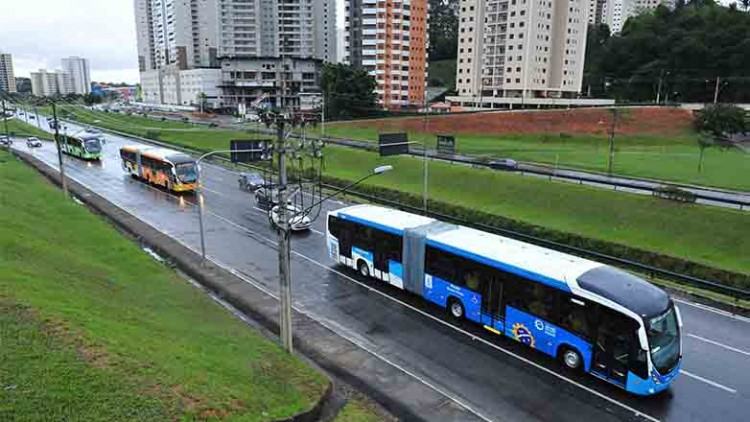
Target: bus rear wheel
(364, 270)
(571, 359)
(456, 308)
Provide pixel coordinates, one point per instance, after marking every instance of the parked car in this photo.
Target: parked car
(503, 164)
(33, 142)
(250, 182)
(93, 131)
(5, 141)
(297, 221)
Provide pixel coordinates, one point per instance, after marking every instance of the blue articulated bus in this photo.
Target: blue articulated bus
(590, 316)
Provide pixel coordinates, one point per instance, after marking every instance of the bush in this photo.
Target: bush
(152, 134)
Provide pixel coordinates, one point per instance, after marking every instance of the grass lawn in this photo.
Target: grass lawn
(94, 329)
(672, 159)
(708, 235)
(21, 129)
(359, 409)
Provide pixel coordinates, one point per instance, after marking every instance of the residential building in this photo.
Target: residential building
(46, 84)
(275, 81)
(616, 12)
(77, 69)
(521, 49)
(7, 79)
(278, 28)
(389, 39)
(597, 11)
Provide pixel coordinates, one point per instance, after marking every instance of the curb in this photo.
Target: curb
(398, 392)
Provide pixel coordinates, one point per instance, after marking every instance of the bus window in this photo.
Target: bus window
(334, 226)
(440, 264)
(534, 298)
(387, 247)
(574, 316)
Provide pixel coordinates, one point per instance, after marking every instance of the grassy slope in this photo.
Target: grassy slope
(673, 159)
(144, 343)
(707, 235)
(20, 128)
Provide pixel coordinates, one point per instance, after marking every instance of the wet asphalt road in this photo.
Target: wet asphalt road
(491, 377)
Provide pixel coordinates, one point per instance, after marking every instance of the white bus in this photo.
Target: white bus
(591, 316)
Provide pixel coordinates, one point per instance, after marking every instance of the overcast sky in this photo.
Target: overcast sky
(38, 33)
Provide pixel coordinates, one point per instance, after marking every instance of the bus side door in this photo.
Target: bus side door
(615, 339)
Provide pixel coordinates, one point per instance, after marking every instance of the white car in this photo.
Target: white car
(297, 222)
(5, 141)
(33, 142)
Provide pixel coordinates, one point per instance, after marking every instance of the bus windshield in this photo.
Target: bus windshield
(93, 145)
(186, 172)
(664, 340)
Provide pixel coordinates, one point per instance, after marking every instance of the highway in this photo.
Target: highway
(490, 377)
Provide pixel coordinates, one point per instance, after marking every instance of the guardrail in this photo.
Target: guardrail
(653, 272)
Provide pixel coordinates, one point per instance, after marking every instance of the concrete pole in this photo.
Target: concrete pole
(285, 284)
(63, 180)
(716, 90)
(610, 162)
(5, 119)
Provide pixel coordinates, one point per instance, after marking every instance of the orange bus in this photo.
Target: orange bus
(170, 169)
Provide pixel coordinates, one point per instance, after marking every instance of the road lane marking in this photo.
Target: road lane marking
(714, 310)
(636, 412)
(708, 381)
(716, 343)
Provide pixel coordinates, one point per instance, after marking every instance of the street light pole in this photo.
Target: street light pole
(63, 180)
(5, 120)
(716, 90)
(284, 248)
(611, 160)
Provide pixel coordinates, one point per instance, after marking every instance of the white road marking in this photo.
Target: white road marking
(317, 231)
(637, 412)
(716, 343)
(709, 382)
(714, 310)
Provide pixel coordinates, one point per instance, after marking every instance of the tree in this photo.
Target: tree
(201, 99)
(348, 92)
(443, 29)
(720, 120)
(745, 4)
(685, 49)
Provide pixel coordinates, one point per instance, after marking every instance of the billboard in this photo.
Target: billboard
(393, 144)
(446, 144)
(249, 151)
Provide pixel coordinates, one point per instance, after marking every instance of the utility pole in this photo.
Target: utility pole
(63, 181)
(38, 123)
(285, 282)
(658, 91)
(5, 119)
(611, 160)
(323, 116)
(716, 90)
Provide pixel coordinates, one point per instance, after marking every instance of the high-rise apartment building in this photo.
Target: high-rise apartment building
(278, 28)
(7, 79)
(521, 48)
(180, 33)
(615, 13)
(389, 38)
(45, 83)
(77, 69)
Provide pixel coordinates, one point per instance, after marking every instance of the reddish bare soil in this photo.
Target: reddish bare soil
(636, 120)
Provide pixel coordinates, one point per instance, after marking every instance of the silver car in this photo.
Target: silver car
(33, 142)
(297, 221)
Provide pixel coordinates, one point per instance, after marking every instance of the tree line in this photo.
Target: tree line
(686, 55)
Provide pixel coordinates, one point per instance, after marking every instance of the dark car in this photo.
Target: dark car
(250, 182)
(503, 164)
(266, 197)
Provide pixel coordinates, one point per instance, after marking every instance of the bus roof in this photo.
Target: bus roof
(545, 265)
(159, 153)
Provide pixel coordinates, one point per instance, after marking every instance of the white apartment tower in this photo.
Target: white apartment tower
(521, 48)
(7, 78)
(182, 33)
(45, 83)
(616, 12)
(389, 39)
(77, 69)
(278, 28)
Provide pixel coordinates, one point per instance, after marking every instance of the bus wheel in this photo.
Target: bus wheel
(571, 359)
(364, 270)
(456, 308)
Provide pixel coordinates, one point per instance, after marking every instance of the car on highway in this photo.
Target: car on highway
(5, 141)
(33, 142)
(297, 220)
(250, 182)
(503, 164)
(266, 197)
(93, 130)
